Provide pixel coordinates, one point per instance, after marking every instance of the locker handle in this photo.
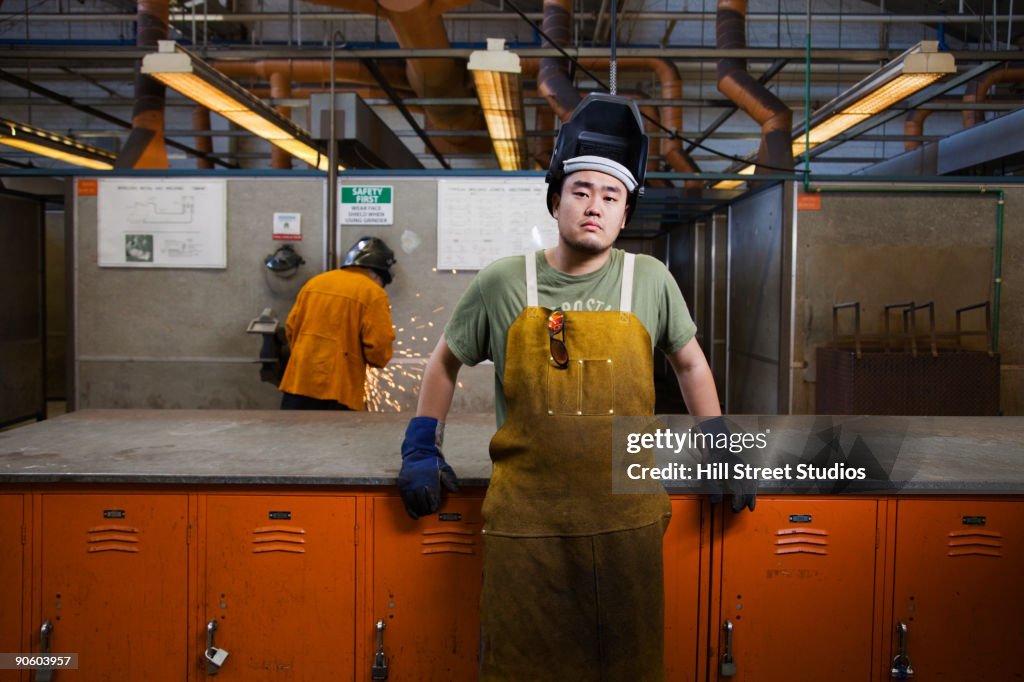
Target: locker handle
(45, 632)
(727, 667)
(902, 668)
(214, 656)
(380, 661)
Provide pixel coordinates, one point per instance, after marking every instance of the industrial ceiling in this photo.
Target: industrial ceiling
(71, 67)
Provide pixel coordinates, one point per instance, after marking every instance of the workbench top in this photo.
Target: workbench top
(270, 447)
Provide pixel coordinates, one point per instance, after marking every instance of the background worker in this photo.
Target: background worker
(572, 578)
(340, 323)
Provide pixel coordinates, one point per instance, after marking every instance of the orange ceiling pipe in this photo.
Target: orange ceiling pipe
(913, 124)
(671, 117)
(977, 90)
(203, 143)
(419, 24)
(543, 145)
(774, 117)
(553, 72)
(145, 146)
(280, 88)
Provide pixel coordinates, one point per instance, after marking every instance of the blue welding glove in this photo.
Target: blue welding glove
(424, 470)
(743, 493)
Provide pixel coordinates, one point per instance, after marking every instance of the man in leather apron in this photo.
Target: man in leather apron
(572, 579)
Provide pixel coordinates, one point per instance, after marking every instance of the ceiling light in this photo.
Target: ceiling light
(914, 70)
(45, 143)
(180, 70)
(499, 88)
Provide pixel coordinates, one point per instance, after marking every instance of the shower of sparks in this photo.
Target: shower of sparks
(389, 388)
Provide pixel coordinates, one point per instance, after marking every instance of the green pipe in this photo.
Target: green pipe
(997, 268)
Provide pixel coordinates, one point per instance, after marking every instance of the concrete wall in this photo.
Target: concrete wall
(175, 338)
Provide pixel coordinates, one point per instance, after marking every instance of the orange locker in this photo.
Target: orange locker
(959, 590)
(797, 592)
(13, 583)
(279, 576)
(425, 589)
(685, 598)
(113, 584)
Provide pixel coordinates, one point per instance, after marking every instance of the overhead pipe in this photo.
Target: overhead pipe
(977, 89)
(145, 146)
(420, 24)
(281, 88)
(311, 70)
(671, 117)
(553, 79)
(203, 143)
(775, 118)
(543, 145)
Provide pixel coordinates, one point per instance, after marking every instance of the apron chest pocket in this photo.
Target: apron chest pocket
(585, 387)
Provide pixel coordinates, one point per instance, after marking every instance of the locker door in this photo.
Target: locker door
(959, 588)
(798, 587)
(685, 601)
(280, 584)
(12, 577)
(113, 584)
(425, 587)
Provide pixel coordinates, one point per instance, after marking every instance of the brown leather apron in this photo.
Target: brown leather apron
(563, 554)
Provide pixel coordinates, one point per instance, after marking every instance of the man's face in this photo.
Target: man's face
(591, 211)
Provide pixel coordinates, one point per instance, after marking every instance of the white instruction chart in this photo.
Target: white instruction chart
(166, 223)
(479, 221)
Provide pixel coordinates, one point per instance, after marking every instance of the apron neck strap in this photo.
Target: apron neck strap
(625, 295)
(626, 290)
(531, 280)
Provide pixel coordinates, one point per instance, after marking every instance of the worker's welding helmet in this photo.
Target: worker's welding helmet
(605, 133)
(372, 253)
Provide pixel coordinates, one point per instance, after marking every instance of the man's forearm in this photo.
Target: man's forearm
(438, 385)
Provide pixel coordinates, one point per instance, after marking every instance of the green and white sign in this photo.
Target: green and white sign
(367, 205)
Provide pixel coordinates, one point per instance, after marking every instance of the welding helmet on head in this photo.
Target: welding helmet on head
(605, 133)
(372, 253)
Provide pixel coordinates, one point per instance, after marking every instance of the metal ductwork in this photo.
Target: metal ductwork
(419, 24)
(204, 143)
(145, 146)
(775, 118)
(977, 89)
(554, 83)
(553, 75)
(364, 139)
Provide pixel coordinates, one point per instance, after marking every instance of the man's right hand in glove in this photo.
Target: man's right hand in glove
(424, 470)
(742, 493)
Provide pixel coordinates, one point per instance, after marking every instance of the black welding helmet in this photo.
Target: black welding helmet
(372, 253)
(605, 133)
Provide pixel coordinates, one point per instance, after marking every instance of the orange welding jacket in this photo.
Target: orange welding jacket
(340, 323)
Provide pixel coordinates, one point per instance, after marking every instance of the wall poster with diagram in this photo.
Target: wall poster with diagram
(165, 223)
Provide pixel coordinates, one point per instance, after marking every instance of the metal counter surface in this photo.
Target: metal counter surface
(230, 447)
(272, 447)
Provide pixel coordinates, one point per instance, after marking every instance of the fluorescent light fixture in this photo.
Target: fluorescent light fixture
(180, 70)
(45, 143)
(914, 70)
(498, 85)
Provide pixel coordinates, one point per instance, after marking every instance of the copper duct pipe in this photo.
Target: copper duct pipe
(977, 90)
(671, 117)
(774, 117)
(203, 143)
(281, 88)
(553, 74)
(419, 24)
(145, 146)
(913, 124)
(543, 146)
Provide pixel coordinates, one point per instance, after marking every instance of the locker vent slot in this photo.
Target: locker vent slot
(975, 543)
(286, 539)
(448, 541)
(812, 541)
(112, 539)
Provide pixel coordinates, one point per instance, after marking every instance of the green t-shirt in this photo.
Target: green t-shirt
(478, 328)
